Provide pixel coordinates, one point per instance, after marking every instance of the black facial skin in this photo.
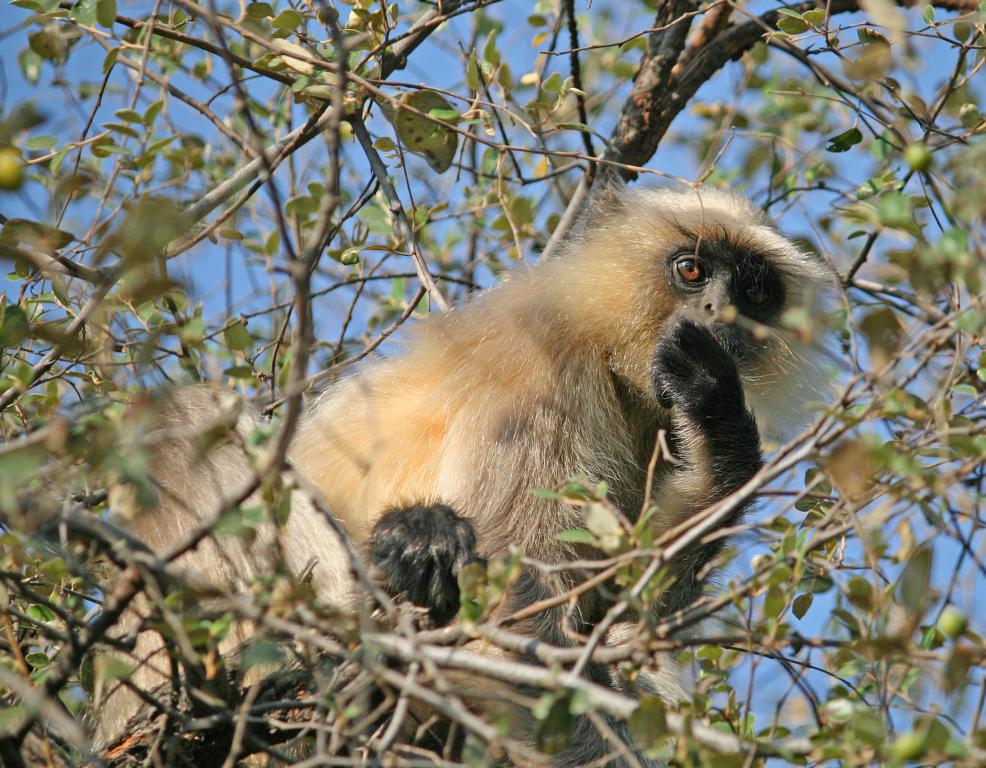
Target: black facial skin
(418, 552)
(721, 275)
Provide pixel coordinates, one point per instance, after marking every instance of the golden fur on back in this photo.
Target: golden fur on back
(537, 380)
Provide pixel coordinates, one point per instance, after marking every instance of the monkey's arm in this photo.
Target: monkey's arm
(714, 434)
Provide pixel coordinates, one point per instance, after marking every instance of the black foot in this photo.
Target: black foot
(418, 552)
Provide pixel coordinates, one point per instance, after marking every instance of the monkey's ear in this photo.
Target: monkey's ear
(607, 197)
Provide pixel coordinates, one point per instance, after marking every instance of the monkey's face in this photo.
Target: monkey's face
(740, 294)
(735, 292)
(647, 258)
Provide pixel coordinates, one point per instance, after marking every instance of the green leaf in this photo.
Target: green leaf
(84, 12)
(128, 115)
(18, 467)
(286, 19)
(384, 144)
(302, 82)
(801, 605)
(41, 142)
(490, 54)
(12, 719)
(106, 12)
(780, 574)
(845, 140)
(110, 59)
(42, 236)
(192, 332)
(41, 613)
(47, 45)
(648, 723)
(577, 127)
(30, 64)
(448, 115)
(522, 210)
(14, 326)
(37, 659)
(348, 255)
(791, 25)
(237, 337)
(909, 746)
(435, 142)
(151, 112)
(860, 592)
(815, 17)
(868, 727)
(472, 71)
(912, 588)
(576, 536)
(260, 10)
(239, 372)
(126, 130)
(773, 603)
(553, 83)
(895, 210)
(302, 205)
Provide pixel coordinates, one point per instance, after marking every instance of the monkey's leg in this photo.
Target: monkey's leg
(418, 552)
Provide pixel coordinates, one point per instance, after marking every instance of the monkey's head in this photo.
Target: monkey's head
(646, 258)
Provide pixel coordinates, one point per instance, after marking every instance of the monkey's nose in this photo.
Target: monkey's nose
(723, 312)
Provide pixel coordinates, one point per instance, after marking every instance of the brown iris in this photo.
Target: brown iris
(689, 269)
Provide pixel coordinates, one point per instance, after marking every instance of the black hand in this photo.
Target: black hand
(695, 375)
(419, 551)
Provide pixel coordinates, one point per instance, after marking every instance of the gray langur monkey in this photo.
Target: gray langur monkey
(661, 311)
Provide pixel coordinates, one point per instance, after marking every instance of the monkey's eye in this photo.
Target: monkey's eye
(689, 269)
